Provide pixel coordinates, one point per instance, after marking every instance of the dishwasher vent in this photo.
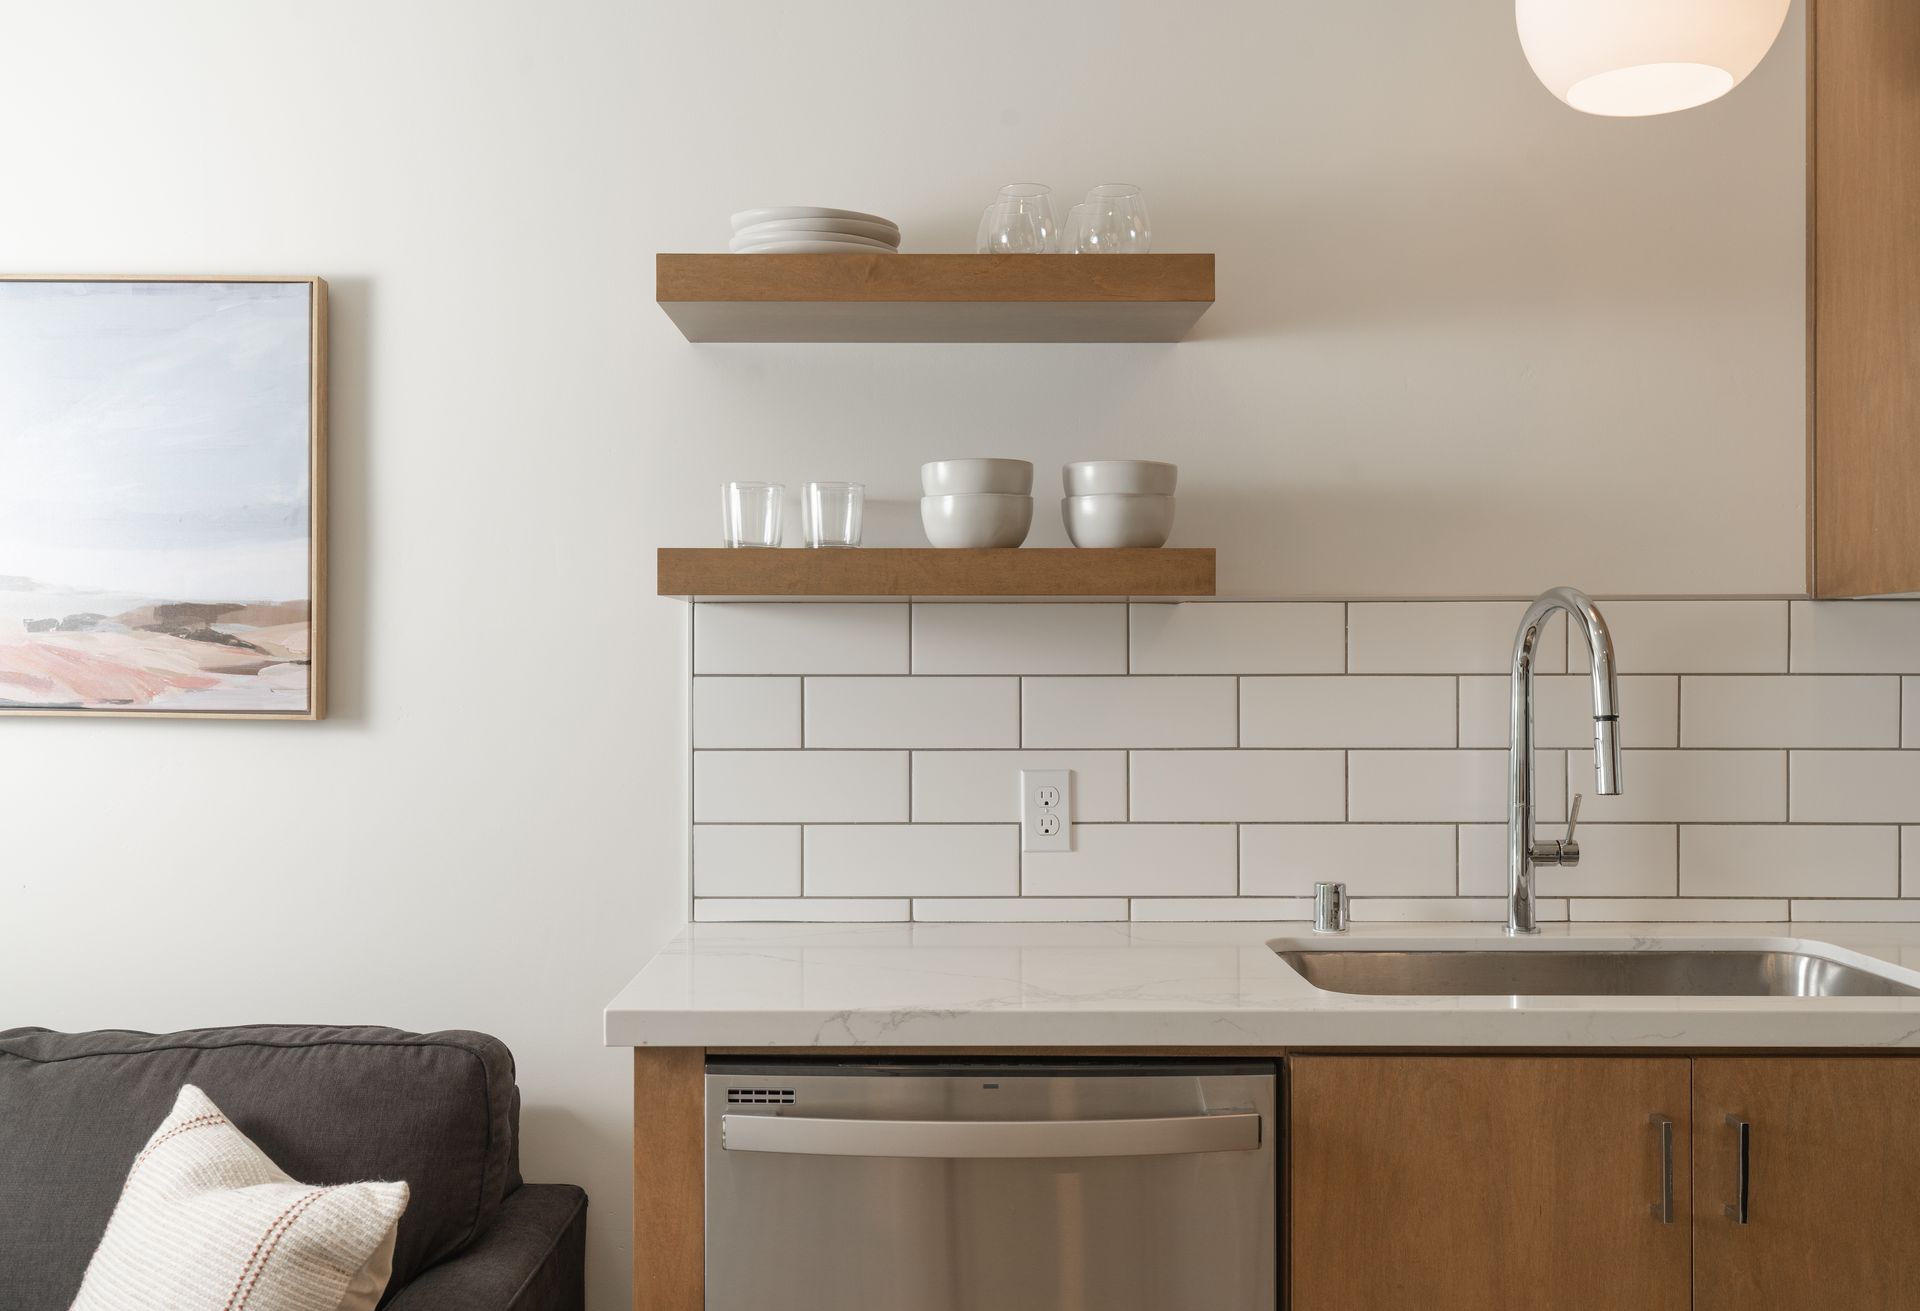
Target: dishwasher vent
(759, 1096)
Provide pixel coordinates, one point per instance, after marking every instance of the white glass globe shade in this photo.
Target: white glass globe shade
(1626, 58)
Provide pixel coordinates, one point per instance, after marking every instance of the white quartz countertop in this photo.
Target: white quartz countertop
(1211, 985)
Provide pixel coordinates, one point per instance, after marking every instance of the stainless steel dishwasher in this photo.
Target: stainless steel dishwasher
(1142, 1186)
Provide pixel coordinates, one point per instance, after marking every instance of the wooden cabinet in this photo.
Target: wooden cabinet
(1863, 284)
(1832, 1183)
(1487, 1182)
(1494, 1182)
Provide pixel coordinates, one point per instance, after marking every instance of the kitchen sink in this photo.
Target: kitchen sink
(1537, 973)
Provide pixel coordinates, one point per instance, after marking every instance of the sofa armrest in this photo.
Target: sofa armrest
(531, 1258)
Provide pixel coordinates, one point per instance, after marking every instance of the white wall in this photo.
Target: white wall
(1468, 342)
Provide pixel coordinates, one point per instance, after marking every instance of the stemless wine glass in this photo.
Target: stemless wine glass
(1019, 222)
(1117, 220)
(750, 513)
(830, 513)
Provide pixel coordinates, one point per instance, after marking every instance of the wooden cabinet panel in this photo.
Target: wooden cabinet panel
(1486, 1182)
(1863, 251)
(1833, 1183)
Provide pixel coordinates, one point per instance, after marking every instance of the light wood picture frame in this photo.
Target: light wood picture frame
(163, 496)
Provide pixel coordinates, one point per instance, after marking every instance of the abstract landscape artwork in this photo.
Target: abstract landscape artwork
(161, 513)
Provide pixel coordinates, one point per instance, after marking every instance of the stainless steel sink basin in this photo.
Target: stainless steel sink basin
(1534, 973)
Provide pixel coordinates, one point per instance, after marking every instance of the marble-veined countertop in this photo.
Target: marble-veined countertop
(1211, 985)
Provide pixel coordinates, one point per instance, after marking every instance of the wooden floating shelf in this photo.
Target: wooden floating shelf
(884, 297)
(718, 573)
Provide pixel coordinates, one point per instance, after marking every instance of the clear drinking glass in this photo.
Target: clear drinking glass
(1020, 221)
(1115, 222)
(750, 513)
(830, 513)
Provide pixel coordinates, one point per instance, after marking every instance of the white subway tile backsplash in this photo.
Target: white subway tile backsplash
(1347, 711)
(1129, 712)
(1702, 787)
(1390, 860)
(861, 761)
(1444, 637)
(1446, 786)
(1789, 711)
(1018, 910)
(913, 712)
(1710, 910)
(830, 910)
(1856, 911)
(791, 787)
(1856, 637)
(1789, 860)
(1616, 860)
(1192, 786)
(746, 860)
(1691, 637)
(983, 787)
(1144, 860)
(746, 712)
(1035, 638)
(1448, 910)
(912, 860)
(1239, 637)
(1182, 909)
(1856, 787)
(1563, 711)
(800, 638)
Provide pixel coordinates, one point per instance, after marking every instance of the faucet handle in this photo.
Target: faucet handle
(1560, 851)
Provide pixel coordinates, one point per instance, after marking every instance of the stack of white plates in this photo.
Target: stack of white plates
(806, 230)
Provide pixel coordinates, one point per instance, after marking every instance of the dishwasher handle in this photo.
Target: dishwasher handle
(980, 1139)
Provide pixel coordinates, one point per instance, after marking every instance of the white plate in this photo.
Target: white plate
(856, 227)
(815, 248)
(776, 238)
(746, 218)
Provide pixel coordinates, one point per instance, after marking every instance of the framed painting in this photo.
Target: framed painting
(163, 496)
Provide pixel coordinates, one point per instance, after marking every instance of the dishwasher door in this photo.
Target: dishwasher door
(1004, 1187)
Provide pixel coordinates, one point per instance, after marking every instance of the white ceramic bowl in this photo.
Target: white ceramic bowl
(1118, 520)
(1119, 477)
(961, 477)
(976, 520)
(885, 232)
(747, 218)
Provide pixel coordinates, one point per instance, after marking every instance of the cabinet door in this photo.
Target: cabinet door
(1487, 1182)
(1832, 1178)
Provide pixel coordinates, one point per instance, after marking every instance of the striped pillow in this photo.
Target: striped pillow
(206, 1222)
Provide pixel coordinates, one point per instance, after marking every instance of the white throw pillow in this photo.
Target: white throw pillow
(207, 1222)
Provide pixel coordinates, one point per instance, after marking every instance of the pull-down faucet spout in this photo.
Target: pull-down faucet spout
(1524, 853)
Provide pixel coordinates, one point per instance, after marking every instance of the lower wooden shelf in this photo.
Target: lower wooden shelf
(1058, 573)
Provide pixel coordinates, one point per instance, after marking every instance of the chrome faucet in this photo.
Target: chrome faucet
(1524, 853)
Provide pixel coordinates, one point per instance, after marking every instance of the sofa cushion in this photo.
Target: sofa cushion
(329, 1105)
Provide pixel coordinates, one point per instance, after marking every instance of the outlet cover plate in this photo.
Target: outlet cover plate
(1043, 826)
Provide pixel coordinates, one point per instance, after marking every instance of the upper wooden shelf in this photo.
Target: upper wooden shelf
(883, 297)
(717, 573)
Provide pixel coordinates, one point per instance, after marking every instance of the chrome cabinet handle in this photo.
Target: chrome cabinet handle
(1736, 1211)
(958, 1139)
(1663, 1209)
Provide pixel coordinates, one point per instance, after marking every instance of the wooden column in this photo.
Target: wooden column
(1863, 324)
(669, 1146)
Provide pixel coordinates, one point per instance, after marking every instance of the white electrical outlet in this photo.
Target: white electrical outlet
(1046, 810)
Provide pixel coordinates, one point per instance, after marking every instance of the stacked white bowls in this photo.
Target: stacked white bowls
(1118, 502)
(810, 230)
(976, 503)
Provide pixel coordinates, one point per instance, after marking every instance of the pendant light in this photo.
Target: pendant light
(1626, 58)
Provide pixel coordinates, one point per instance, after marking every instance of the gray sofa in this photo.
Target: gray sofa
(329, 1105)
